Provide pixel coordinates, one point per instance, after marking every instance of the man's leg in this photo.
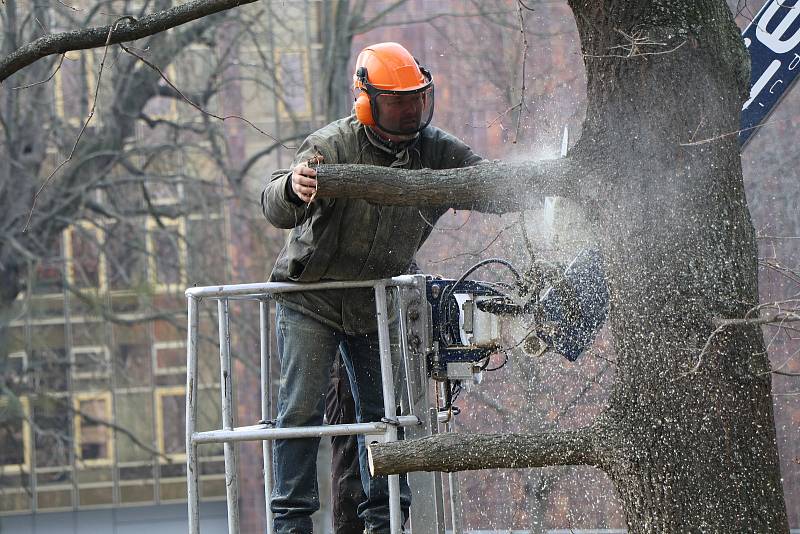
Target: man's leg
(362, 359)
(346, 489)
(306, 349)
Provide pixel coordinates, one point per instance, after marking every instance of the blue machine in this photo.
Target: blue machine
(465, 313)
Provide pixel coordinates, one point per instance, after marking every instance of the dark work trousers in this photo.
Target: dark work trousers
(346, 489)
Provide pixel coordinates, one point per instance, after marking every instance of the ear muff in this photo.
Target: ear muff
(363, 110)
(363, 107)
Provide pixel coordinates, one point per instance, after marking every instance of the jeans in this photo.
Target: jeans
(307, 349)
(346, 488)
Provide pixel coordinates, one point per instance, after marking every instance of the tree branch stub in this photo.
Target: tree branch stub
(464, 452)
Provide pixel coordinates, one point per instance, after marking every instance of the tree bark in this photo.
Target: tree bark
(690, 448)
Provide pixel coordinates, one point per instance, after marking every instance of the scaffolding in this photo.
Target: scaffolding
(418, 418)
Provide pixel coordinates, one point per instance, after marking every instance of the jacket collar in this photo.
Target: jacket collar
(400, 151)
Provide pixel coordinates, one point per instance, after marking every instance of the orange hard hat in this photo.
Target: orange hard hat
(390, 66)
(388, 69)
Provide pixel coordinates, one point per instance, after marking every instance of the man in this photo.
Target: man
(347, 239)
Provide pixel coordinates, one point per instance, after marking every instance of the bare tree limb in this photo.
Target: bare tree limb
(129, 30)
(34, 84)
(486, 187)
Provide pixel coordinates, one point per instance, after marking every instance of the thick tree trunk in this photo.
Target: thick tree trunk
(691, 450)
(688, 437)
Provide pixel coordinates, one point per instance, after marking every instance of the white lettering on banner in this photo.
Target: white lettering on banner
(773, 86)
(795, 61)
(762, 82)
(773, 39)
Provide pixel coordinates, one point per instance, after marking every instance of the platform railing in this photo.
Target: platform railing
(228, 435)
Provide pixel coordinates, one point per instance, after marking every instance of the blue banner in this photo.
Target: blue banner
(773, 39)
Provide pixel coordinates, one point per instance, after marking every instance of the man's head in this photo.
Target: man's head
(394, 94)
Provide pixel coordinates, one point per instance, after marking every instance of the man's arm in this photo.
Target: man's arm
(285, 201)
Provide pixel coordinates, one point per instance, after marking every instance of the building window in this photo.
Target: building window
(17, 367)
(132, 356)
(49, 271)
(74, 86)
(293, 78)
(90, 362)
(205, 233)
(52, 416)
(50, 369)
(166, 248)
(124, 252)
(169, 357)
(171, 420)
(14, 435)
(164, 108)
(93, 435)
(85, 263)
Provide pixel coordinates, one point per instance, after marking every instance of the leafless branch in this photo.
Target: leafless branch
(778, 318)
(735, 132)
(58, 67)
(522, 76)
(477, 252)
(197, 106)
(634, 45)
(80, 134)
(96, 37)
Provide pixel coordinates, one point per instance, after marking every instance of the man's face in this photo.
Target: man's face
(401, 113)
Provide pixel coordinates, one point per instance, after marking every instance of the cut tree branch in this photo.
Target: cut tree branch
(128, 30)
(464, 452)
(490, 186)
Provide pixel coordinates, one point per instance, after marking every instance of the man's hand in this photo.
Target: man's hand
(304, 180)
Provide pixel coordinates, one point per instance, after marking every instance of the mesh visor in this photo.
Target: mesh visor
(403, 112)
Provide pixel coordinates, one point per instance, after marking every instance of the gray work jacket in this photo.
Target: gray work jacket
(351, 239)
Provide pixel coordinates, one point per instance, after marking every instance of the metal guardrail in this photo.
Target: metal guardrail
(228, 435)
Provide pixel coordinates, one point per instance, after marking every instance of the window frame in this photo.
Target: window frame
(283, 112)
(160, 393)
(152, 266)
(22, 355)
(167, 371)
(88, 227)
(25, 466)
(88, 349)
(77, 398)
(91, 86)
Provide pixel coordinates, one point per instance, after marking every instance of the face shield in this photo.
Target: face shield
(402, 112)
